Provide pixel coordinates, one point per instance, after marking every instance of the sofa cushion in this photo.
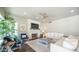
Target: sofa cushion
(70, 43)
(54, 35)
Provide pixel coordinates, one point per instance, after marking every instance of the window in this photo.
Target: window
(16, 28)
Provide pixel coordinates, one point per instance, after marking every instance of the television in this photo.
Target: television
(34, 26)
(24, 36)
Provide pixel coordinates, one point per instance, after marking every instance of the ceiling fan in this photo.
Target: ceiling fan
(44, 17)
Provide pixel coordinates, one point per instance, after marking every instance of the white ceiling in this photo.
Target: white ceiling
(52, 12)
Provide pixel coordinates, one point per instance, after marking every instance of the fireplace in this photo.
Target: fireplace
(34, 36)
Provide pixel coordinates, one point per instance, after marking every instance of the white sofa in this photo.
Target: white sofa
(70, 43)
(54, 35)
(57, 48)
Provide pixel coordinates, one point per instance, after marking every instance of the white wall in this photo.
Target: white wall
(27, 26)
(44, 27)
(21, 22)
(67, 26)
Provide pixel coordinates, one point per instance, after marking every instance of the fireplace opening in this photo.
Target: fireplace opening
(34, 36)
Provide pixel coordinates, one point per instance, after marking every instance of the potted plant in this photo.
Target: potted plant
(7, 26)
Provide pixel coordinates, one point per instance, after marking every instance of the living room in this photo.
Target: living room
(31, 24)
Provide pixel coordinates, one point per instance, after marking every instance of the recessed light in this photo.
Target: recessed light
(72, 11)
(25, 13)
